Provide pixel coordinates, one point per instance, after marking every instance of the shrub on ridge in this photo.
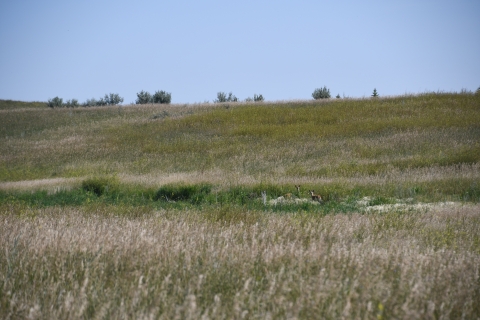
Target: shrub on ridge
(321, 93)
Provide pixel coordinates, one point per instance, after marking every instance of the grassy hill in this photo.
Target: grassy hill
(13, 104)
(430, 143)
(157, 210)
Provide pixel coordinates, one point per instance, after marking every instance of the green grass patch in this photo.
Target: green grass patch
(338, 198)
(189, 193)
(13, 104)
(100, 186)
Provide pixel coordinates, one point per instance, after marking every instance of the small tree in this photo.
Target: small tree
(143, 97)
(321, 93)
(222, 97)
(338, 96)
(102, 101)
(90, 103)
(232, 98)
(375, 93)
(55, 102)
(162, 97)
(72, 103)
(258, 98)
(478, 91)
(113, 99)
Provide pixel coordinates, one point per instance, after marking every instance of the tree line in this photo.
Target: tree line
(163, 97)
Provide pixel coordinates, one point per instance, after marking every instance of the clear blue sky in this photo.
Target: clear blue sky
(194, 49)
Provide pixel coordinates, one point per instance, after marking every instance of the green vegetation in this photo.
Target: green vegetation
(55, 102)
(157, 210)
(256, 98)
(144, 97)
(338, 198)
(321, 93)
(222, 97)
(162, 97)
(108, 100)
(12, 104)
(391, 145)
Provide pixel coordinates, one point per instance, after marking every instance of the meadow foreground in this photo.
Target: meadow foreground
(89, 263)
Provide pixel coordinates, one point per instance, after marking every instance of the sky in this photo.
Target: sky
(281, 49)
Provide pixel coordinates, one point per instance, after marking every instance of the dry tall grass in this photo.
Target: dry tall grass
(87, 263)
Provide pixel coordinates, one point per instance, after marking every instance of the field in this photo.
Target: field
(156, 211)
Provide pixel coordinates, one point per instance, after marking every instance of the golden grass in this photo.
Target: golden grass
(89, 263)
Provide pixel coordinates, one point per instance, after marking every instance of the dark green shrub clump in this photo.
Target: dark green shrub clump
(55, 102)
(191, 193)
(144, 97)
(113, 99)
(222, 97)
(258, 98)
(72, 103)
(321, 93)
(108, 100)
(162, 97)
(98, 186)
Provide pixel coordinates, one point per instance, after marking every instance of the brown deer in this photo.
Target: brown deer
(315, 197)
(290, 195)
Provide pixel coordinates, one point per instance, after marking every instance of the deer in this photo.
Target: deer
(315, 197)
(290, 195)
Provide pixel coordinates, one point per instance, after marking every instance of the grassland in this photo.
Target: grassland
(13, 104)
(156, 211)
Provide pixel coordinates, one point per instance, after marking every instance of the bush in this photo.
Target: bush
(144, 97)
(258, 98)
(222, 97)
(72, 103)
(192, 193)
(375, 93)
(113, 99)
(102, 102)
(109, 99)
(98, 186)
(90, 103)
(162, 97)
(322, 93)
(55, 102)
